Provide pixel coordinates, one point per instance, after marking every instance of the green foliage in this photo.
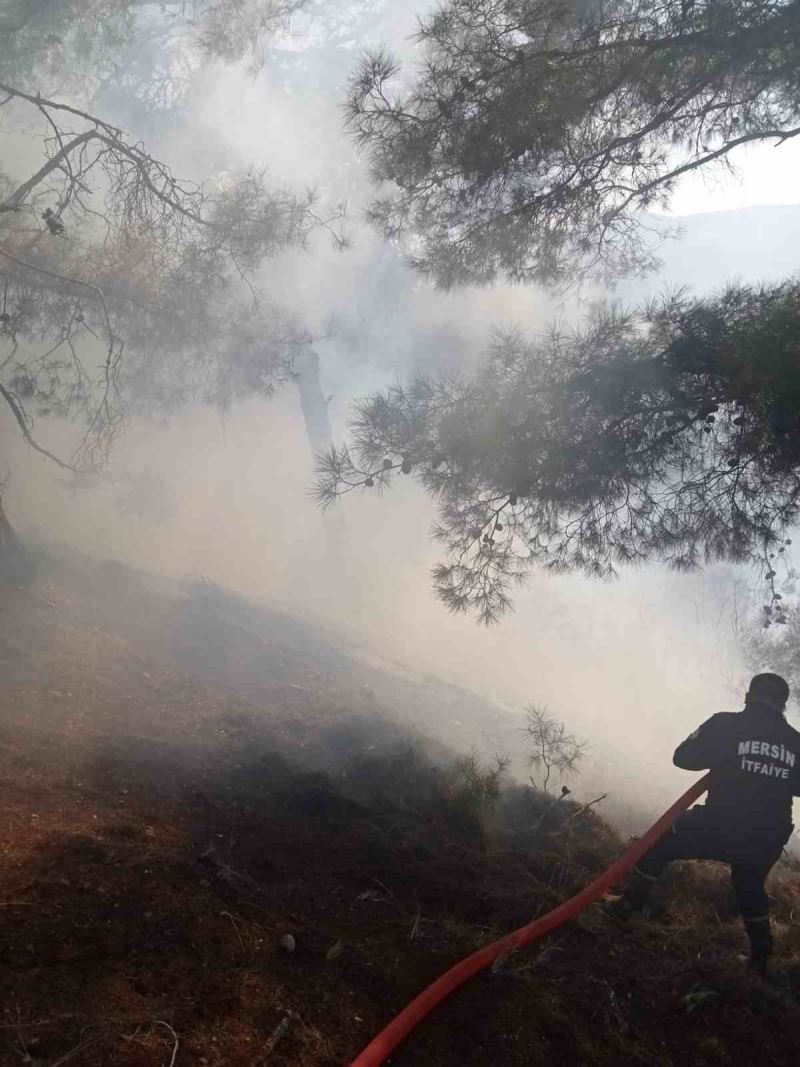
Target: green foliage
(534, 131)
(672, 434)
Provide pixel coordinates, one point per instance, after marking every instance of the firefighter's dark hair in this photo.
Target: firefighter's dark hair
(770, 688)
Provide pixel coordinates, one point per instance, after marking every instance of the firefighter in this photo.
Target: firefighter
(754, 757)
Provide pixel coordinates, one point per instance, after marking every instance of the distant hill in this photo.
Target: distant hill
(751, 244)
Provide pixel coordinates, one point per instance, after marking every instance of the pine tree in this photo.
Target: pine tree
(672, 434)
(537, 132)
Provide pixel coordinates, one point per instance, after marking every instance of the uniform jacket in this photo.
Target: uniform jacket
(755, 759)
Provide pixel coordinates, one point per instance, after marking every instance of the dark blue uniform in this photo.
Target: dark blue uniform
(754, 757)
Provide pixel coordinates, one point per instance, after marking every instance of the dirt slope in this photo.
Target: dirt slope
(181, 788)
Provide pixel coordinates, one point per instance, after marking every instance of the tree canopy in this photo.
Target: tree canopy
(123, 286)
(534, 144)
(66, 41)
(537, 134)
(670, 434)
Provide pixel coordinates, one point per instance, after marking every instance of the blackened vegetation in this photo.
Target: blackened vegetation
(163, 832)
(148, 885)
(671, 434)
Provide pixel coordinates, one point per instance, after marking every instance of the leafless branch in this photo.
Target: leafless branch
(169, 270)
(71, 281)
(19, 415)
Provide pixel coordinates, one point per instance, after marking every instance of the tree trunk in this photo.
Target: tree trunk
(15, 563)
(312, 401)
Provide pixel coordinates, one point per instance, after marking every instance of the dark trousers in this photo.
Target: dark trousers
(696, 835)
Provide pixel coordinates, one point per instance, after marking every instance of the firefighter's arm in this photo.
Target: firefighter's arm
(698, 752)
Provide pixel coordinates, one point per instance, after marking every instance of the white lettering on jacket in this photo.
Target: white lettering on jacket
(764, 748)
(764, 768)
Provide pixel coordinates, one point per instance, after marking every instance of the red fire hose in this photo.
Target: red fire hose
(401, 1026)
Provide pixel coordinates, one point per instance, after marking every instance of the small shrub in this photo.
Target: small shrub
(553, 752)
(467, 793)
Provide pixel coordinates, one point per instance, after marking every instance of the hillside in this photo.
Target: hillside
(186, 778)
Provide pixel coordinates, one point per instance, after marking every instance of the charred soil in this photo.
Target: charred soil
(168, 818)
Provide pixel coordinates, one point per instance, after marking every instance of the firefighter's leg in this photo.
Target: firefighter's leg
(686, 839)
(748, 883)
(646, 874)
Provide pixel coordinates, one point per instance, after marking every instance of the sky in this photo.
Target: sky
(767, 174)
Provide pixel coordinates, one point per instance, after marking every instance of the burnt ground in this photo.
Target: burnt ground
(181, 788)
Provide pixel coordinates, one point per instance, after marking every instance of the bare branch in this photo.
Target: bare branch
(41, 102)
(19, 415)
(71, 281)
